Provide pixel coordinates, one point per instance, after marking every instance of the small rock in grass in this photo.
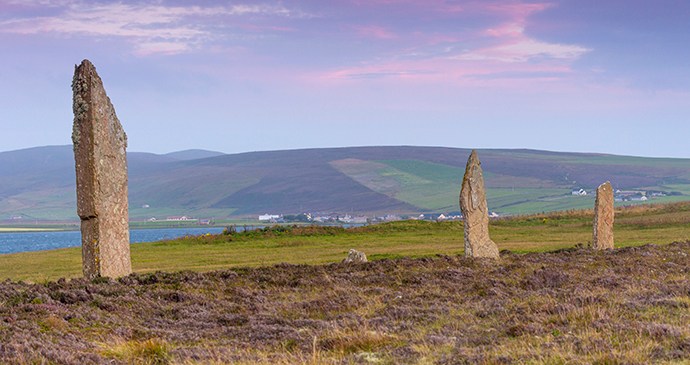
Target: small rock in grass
(355, 256)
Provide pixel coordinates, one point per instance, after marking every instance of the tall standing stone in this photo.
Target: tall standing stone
(101, 164)
(475, 213)
(603, 218)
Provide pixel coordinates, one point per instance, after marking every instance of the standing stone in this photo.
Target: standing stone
(603, 218)
(101, 164)
(475, 213)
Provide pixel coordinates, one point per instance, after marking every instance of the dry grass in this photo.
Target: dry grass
(147, 352)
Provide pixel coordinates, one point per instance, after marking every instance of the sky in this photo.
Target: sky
(577, 76)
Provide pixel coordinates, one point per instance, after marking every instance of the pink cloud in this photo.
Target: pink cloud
(251, 27)
(517, 11)
(448, 70)
(373, 31)
(398, 2)
(505, 30)
(160, 48)
(522, 50)
(500, 50)
(512, 8)
(150, 28)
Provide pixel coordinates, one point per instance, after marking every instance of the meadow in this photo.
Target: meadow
(280, 295)
(636, 225)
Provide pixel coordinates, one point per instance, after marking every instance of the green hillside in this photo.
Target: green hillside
(38, 183)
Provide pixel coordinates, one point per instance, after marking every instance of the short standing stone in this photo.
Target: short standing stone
(603, 218)
(355, 256)
(101, 165)
(475, 213)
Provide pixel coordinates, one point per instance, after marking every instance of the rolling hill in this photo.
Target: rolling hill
(38, 183)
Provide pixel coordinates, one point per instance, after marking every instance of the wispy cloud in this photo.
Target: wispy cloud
(387, 73)
(373, 31)
(415, 39)
(523, 51)
(436, 5)
(499, 49)
(152, 28)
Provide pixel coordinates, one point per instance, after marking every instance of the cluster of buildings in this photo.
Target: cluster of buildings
(349, 219)
(322, 218)
(182, 218)
(342, 219)
(454, 216)
(624, 196)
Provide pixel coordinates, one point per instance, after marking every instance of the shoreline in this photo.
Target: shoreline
(74, 227)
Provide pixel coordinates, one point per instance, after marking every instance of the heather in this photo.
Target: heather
(575, 305)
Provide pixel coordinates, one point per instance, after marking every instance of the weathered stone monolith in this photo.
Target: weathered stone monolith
(603, 218)
(101, 164)
(475, 213)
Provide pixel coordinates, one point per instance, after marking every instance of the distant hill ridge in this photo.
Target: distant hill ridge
(194, 154)
(39, 182)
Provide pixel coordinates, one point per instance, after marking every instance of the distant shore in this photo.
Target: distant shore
(66, 227)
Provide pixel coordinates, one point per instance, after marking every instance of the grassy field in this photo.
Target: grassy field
(19, 229)
(431, 171)
(433, 196)
(658, 224)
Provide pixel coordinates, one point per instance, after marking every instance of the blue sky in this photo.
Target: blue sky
(581, 76)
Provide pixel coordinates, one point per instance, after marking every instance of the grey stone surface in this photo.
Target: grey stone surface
(101, 166)
(475, 212)
(355, 256)
(603, 218)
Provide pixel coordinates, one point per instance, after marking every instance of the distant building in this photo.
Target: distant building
(180, 218)
(145, 206)
(204, 221)
(426, 217)
(391, 217)
(15, 217)
(579, 192)
(359, 220)
(152, 219)
(268, 217)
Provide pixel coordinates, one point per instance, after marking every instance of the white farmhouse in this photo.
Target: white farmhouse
(268, 217)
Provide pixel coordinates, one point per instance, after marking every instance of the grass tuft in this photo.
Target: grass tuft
(153, 351)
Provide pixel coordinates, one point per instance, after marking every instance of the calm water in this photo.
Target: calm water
(39, 241)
